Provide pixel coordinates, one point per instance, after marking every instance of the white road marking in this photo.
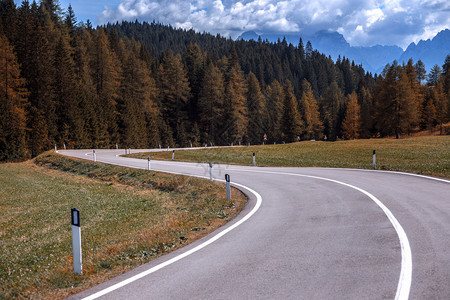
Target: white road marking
(402, 173)
(185, 254)
(404, 283)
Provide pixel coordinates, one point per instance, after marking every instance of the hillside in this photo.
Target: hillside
(142, 85)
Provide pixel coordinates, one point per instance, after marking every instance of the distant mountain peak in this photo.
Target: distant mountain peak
(374, 59)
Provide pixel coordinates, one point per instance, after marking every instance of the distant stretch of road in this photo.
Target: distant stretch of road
(306, 233)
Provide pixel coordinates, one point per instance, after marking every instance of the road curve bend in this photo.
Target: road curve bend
(306, 233)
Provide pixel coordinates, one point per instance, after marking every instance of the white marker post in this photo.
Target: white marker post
(159, 146)
(173, 154)
(126, 152)
(227, 179)
(210, 171)
(191, 144)
(76, 241)
(56, 150)
(64, 146)
(254, 159)
(94, 155)
(149, 162)
(117, 146)
(374, 160)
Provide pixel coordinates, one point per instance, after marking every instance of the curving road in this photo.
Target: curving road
(306, 233)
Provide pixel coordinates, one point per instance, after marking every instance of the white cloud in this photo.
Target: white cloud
(361, 22)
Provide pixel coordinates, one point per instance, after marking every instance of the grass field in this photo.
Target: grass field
(429, 155)
(128, 217)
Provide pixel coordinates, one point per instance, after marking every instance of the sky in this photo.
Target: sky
(361, 22)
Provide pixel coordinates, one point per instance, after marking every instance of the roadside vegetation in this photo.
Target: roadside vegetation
(428, 155)
(128, 217)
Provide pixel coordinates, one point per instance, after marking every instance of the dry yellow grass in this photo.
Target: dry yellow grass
(129, 217)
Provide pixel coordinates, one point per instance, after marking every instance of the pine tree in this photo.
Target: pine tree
(131, 115)
(236, 114)
(257, 111)
(395, 102)
(332, 104)
(429, 114)
(194, 62)
(13, 101)
(174, 90)
(70, 122)
(275, 100)
(351, 125)
(210, 103)
(420, 70)
(435, 74)
(291, 123)
(441, 105)
(310, 109)
(446, 84)
(195, 136)
(106, 81)
(366, 108)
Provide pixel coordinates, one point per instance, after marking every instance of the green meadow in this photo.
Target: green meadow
(428, 155)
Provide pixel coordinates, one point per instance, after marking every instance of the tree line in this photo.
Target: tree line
(142, 85)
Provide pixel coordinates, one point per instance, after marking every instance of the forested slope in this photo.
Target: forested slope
(146, 84)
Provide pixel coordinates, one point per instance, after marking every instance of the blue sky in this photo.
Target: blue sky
(361, 22)
(85, 9)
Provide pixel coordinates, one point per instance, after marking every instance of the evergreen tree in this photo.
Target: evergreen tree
(194, 62)
(366, 111)
(106, 75)
(435, 74)
(70, 122)
(420, 70)
(351, 125)
(211, 103)
(429, 114)
(311, 115)
(174, 90)
(13, 101)
(274, 105)
(441, 104)
(236, 114)
(395, 109)
(131, 104)
(332, 104)
(291, 123)
(257, 111)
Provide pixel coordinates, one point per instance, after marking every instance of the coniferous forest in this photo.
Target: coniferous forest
(141, 85)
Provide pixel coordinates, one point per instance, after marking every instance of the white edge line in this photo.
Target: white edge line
(404, 283)
(402, 173)
(187, 253)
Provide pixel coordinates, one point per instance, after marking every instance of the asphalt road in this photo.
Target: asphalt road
(306, 233)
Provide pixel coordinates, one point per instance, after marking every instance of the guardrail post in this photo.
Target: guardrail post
(210, 172)
(374, 159)
(76, 241)
(227, 179)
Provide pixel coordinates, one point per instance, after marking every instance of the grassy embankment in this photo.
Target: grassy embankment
(429, 155)
(128, 217)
